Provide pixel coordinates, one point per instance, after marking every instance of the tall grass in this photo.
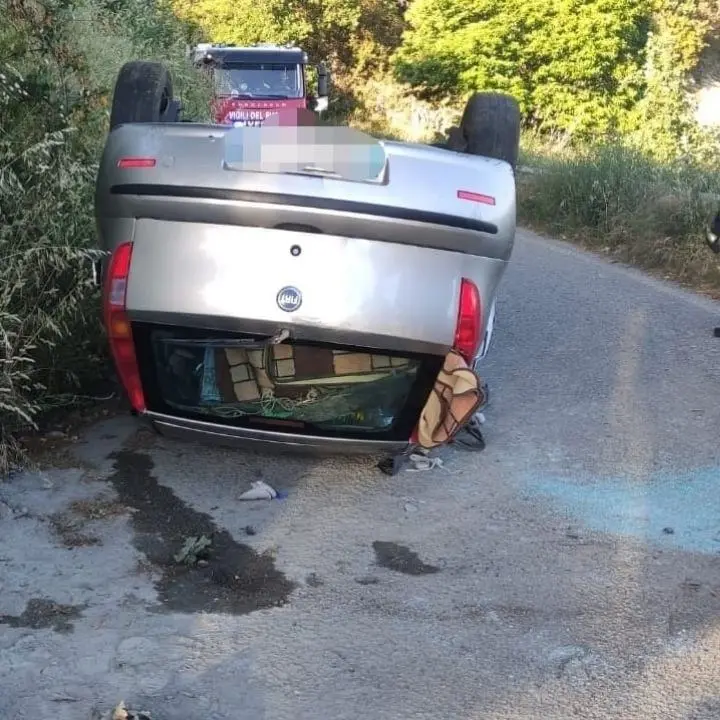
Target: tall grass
(385, 108)
(616, 199)
(58, 63)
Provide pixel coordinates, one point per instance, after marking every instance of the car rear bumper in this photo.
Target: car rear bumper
(241, 437)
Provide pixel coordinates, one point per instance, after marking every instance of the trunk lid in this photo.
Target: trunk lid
(320, 286)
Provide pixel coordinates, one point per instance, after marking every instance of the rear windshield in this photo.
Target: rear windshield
(320, 388)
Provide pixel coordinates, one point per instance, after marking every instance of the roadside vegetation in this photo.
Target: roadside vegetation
(612, 155)
(58, 61)
(616, 200)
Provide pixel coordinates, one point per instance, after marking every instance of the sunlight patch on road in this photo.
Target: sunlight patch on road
(626, 417)
(675, 510)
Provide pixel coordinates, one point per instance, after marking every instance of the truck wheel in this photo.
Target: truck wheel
(491, 126)
(143, 93)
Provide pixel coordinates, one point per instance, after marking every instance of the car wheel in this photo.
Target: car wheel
(491, 127)
(143, 94)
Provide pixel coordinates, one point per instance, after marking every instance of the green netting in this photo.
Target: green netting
(359, 404)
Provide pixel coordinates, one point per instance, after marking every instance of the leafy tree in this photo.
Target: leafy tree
(347, 33)
(236, 22)
(573, 65)
(663, 120)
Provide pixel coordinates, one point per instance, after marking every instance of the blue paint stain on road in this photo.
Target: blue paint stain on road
(673, 510)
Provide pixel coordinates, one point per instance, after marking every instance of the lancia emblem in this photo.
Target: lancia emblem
(289, 299)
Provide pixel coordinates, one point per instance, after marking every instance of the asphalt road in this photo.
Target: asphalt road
(570, 570)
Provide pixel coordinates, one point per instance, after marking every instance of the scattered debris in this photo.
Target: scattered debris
(367, 580)
(64, 699)
(194, 551)
(98, 508)
(68, 529)
(690, 585)
(571, 662)
(121, 712)
(314, 580)
(393, 464)
(452, 416)
(414, 459)
(238, 580)
(401, 559)
(69, 524)
(412, 504)
(259, 491)
(41, 613)
(421, 460)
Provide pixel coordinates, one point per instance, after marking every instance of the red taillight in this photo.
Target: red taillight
(469, 321)
(468, 329)
(129, 163)
(475, 197)
(117, 325)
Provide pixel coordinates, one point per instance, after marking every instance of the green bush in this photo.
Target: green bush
(594, 69)
(58, 62)
(571, 65)
(618, 199)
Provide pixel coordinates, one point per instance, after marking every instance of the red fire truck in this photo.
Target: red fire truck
(253, 83)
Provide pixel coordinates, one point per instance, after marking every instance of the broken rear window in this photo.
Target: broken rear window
(319, 387)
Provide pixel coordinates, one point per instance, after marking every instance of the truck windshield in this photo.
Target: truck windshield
(261, 80)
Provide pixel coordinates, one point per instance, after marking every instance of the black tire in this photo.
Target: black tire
(456, 140)
(143, 94)
(491, 126)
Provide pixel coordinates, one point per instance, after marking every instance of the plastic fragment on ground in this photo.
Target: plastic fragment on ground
(121, 712)
(259, 491)
(419, 462)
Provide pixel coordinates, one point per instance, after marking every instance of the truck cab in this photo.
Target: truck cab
(253, 83)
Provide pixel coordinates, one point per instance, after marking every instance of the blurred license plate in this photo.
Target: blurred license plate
(338, 152)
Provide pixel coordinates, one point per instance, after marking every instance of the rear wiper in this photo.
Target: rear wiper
(312, 170)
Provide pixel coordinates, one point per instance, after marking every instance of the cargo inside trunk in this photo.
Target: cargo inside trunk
(301, 388)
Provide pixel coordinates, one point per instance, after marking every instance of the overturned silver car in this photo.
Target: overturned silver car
(304, 293)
